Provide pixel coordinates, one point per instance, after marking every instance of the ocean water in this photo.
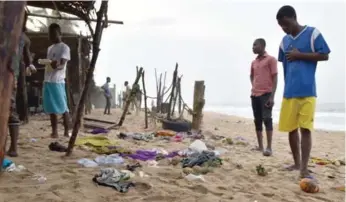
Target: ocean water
(326, 117)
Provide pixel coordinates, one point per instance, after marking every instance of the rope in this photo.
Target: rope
(164, 93)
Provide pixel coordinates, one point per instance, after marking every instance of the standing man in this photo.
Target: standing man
(108, 96)
(137, 100)
(300, 51)
(22, 56)
(263, 79)
(54, 93)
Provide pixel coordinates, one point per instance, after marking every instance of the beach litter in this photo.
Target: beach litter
(111, 177)
(192, 177)
(113, 159)
(88, 163)
(205, 158)
(137, 136)
(96, 131)
(40, 178)
(56, 146)
(146, 155)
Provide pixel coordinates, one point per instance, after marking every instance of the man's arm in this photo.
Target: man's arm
(274, 72)
(26, 52)
(251, 74)
(320, 48)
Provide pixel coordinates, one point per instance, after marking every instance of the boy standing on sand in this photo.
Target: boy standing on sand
(263, 79)
(299, 52)
(54, 93)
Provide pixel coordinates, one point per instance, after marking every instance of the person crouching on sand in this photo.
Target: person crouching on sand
(54, 93)
(300, 51)
(263, 78)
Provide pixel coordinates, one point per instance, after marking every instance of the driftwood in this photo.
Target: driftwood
(145, 101)
(11, 13)
(198, 104)
(129, 99)
(174, 82)
(96, 48)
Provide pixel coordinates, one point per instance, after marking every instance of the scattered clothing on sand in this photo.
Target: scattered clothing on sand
(137, 136)
(111, 177)
(99, 131)
(133, 167)
(165, 133)
(145, 155)
(320, 161)
(100, 144)
(6, 163)
(56, 146)
(113, 159)
(205, 158)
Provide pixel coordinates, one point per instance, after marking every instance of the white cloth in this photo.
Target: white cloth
(56, 52)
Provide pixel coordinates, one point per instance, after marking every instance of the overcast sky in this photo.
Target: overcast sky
(212, 41)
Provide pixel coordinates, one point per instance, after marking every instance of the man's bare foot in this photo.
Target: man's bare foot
(12, 153)
(291, 167)
(54, 135)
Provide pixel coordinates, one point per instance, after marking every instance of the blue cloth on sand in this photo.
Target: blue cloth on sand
(54, 98)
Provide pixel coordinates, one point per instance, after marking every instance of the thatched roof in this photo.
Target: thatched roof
(80, 9)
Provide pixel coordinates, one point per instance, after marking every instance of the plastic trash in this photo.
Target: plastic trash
(87, 163)
(40, 178)
(220, 151)
(192, 177)
(15, 168)
(129, 173)
(152, 163)
(142, 174)
(6, 163)
(113, 159)
(198, 146)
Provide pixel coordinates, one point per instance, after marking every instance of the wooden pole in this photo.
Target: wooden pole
(176, 96)
(11, 14)
(73, 18)
(96, 49)
(164, 87)
(198, 104)
(145, 102)
(174, 82)
(129, 99)
(159, 101)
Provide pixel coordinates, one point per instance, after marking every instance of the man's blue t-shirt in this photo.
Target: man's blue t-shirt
(299, 75)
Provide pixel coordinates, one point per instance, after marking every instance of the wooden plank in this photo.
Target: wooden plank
(97, 120)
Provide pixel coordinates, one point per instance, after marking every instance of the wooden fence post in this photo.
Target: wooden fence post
(198, 104)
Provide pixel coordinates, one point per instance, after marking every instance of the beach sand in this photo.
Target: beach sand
(69, 182)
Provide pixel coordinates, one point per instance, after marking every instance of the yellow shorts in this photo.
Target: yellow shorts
(297, 113)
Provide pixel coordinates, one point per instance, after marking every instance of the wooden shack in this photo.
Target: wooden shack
(76, 67)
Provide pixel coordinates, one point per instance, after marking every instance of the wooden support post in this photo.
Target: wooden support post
(11, 14)
(179, 96)
(145, 102)
(89, 77)
(159, 100)
(176, 95)
(174, 82)
(129, 99)
(198, 104)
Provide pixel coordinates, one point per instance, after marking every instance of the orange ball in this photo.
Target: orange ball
(309, 185)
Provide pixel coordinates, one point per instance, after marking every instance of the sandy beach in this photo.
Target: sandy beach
(69, 181)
